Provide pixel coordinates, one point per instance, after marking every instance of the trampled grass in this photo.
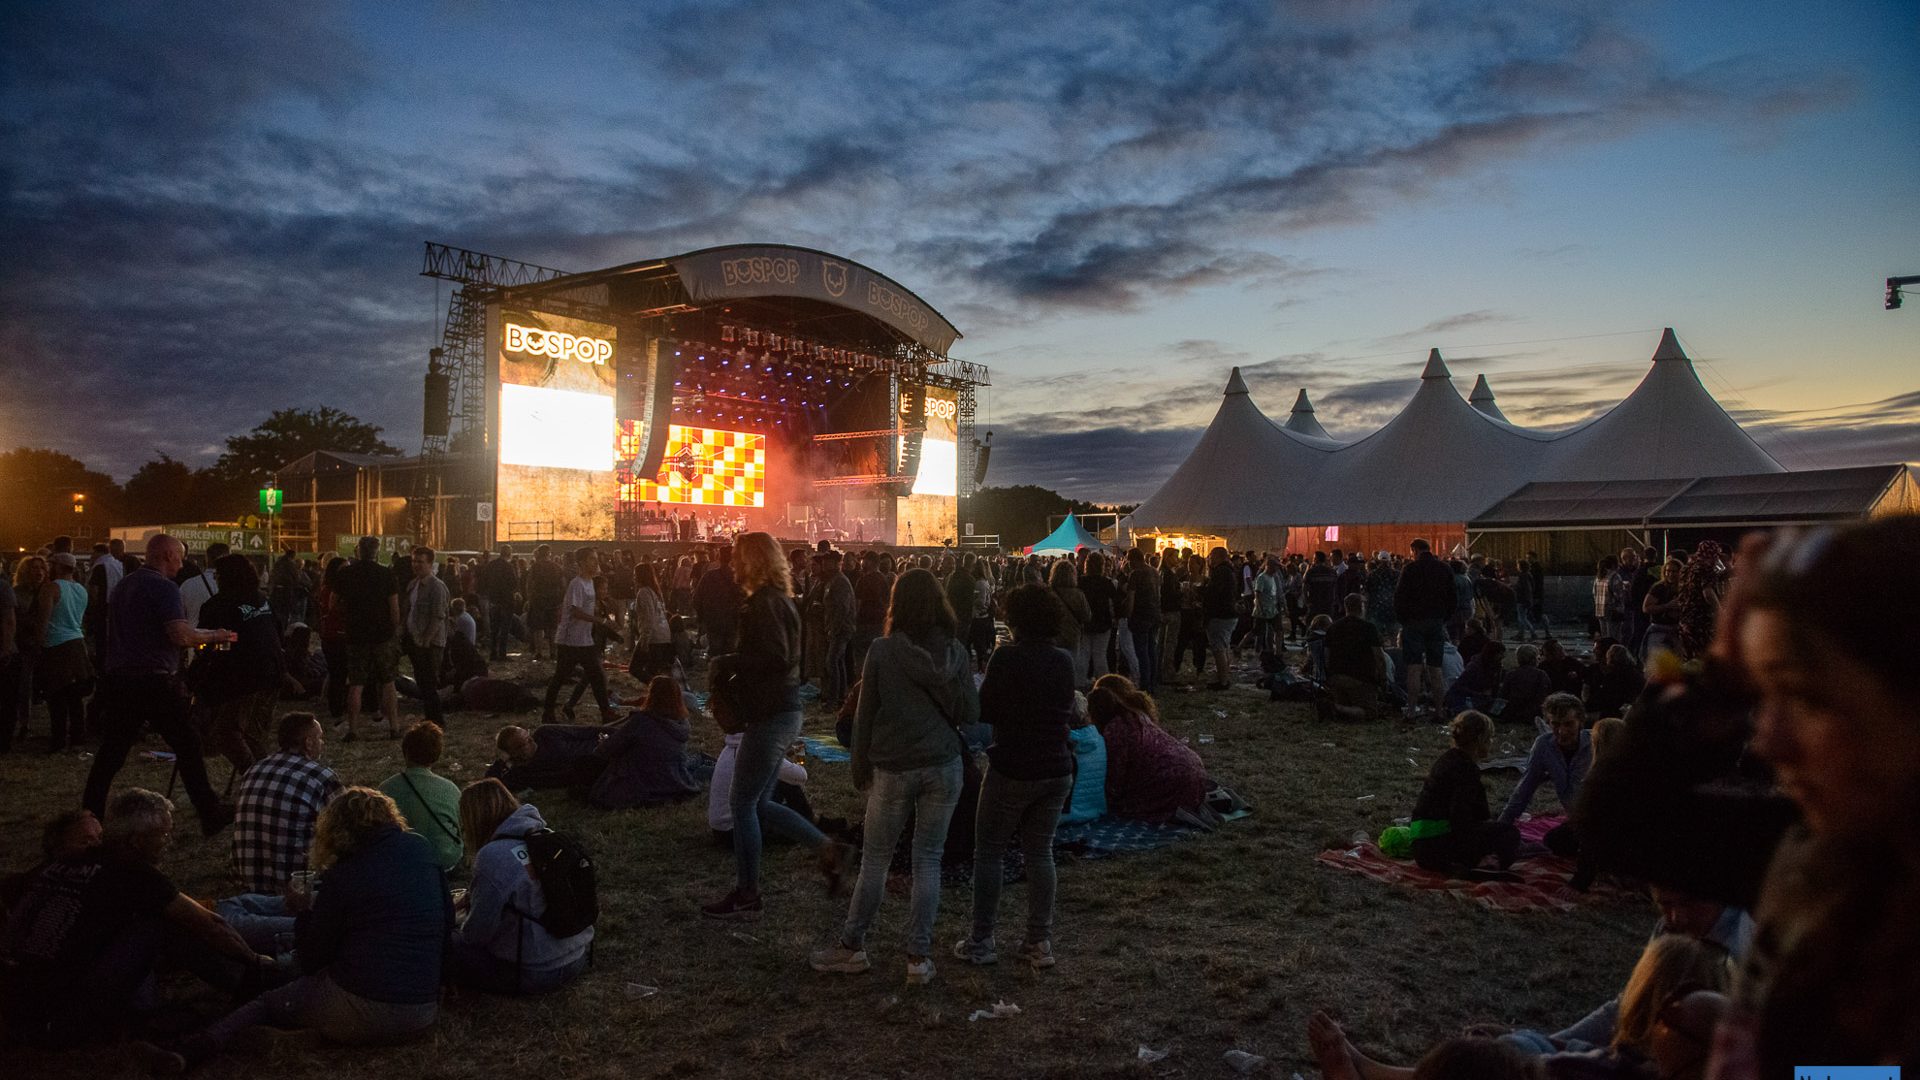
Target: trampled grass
(1224, 942)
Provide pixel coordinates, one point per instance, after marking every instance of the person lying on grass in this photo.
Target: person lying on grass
(1658, 1035)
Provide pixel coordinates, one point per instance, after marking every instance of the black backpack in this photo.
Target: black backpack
(566, 876)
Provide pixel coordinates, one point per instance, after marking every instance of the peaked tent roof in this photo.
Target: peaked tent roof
(1669, 427)
(1070, 537)
(1302, 421)
(1482, 399)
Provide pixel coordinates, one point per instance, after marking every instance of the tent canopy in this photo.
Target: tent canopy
(1067, 539)
(1766, 499)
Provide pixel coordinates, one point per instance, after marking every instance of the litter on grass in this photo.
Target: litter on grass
(1361, 798)
(1150, 1055)
(1000, 1011)
(641, 990)
(1245, 1063)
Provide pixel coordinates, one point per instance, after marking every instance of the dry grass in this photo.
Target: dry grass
(1214, 944)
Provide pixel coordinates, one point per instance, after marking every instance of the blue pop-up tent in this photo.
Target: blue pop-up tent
(1067, 539)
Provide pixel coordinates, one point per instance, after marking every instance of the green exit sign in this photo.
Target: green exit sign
(270, 500)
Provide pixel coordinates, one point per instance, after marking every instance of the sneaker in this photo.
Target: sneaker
(976, 952)
(839, 960)
(734, 907)
(920, 972)
(1038, 953)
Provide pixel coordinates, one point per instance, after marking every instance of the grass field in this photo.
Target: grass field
(1219, 943)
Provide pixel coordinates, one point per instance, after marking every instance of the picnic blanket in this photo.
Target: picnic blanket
(825, 748)
(1542, 885)
(1102, 838)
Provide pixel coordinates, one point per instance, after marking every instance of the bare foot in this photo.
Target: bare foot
(1331, 1048)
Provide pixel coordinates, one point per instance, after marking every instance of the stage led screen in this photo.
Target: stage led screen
(552, 426)
(701, 467)
(556, 429)
(939, 468)
(929, 513)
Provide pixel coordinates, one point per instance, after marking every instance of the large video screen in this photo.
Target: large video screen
(929, 513)
(554, 425)
(701, 467)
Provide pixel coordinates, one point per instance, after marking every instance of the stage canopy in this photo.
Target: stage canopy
(1067, 539)
(1443, 459)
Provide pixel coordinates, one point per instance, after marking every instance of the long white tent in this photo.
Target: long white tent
(1442, 459)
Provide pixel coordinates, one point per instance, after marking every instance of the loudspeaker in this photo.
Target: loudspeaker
(660, 411)
(981, 451)
(913, 421)
(438, 395)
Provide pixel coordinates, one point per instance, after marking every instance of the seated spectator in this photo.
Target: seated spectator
(1355, 663)
(92, 924)
(1151, 775)
(1617, 683)
(1562, 755)
(1088, 800)
(789, 789)
(1474, 641)
(1569, 675)
(1729, 928)
(1525, 688)
(461, 623)
(1313, 662)
(306, 668)
(502, 947)
(368, 941)
(549, 756)
(67, 835)
(1451, 663)
(646, 753)
(429, 802)
(1452, 827)
(280, 799)
(1479, 684)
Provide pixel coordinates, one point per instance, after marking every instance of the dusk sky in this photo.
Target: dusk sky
(212, 211)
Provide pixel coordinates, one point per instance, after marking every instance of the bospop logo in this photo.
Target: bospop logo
(557, 344)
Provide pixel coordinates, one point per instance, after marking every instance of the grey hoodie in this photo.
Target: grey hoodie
(501, 877)
(909, 704)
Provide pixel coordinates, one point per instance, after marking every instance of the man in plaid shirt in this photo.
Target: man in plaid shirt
(280, 799)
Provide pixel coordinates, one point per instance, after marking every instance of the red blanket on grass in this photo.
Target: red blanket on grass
(1542, 885)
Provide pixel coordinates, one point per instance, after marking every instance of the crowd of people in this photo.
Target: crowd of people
(342, 921)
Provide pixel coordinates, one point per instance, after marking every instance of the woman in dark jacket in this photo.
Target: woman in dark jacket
(1452, 827)
(759, 687)
(1028, 699)
(239, 683)
(369, 939)
(647, 753)
(1617, 683)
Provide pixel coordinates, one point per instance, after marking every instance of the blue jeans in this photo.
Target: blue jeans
(756, 769)
(1146, 645)
(261, 921)
(930, 794)
(1029, 809)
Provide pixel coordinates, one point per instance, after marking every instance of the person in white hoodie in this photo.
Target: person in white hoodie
(501, 947)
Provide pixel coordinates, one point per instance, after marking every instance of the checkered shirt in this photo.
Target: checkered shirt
(280, 799)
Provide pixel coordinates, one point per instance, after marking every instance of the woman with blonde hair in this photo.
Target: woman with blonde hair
(758, 686)
(368, 934)
(504, 947)
(1453, 830)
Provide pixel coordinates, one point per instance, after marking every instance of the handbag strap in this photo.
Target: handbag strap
(452, 834)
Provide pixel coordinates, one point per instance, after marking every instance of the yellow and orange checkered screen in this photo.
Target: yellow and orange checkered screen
(702, 467)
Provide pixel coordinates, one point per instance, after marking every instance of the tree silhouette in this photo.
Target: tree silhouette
(290, 434)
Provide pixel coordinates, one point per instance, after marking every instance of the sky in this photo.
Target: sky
(211, 211)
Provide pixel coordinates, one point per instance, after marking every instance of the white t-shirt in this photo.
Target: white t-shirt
(574, 630)
(195, 592)
(719, 813)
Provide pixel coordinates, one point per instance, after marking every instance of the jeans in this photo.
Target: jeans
(587, 659)
(756, 769)
(1123, 641)
(835, 687)
(1146, 645)
(261, 921)
(426, 674)
(1096, 645)
(930, 795)
(1029, 809)
(499, 616)
(241, 728)
(1079, 652)
(135, 701)
(315, 1002)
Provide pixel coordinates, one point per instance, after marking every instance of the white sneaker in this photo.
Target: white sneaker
(839, 960)
(919, 972)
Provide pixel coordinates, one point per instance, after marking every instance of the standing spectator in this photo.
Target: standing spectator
(11, 675)
(497, 582)
(1322, 587)
(370, 598)
(915, 690)
(64, 669)
(287, 588)
(870, 594)
(1597, 625)
(429, 802)
(333, 636)
(426, 630)
(982, 634)
(1267, 588)
(758, 687)
(1382, 580)
(652, 634)
(1422, 602)
(1523, 601)
(546, 587)
(147, 629)
(1102, 598)
(841, 610)
(1218, 605)
(1027, 697)
(201, 584)
(280, 799)
(717, 602)
(29, 632)
(239, 684)
(1072, 635)
(573, 642)
(1143, 621)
